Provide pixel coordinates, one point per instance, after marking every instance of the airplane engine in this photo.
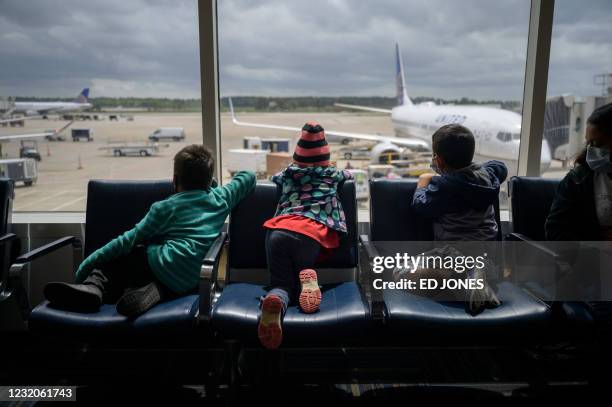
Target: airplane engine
(31, 113)
(382, 153)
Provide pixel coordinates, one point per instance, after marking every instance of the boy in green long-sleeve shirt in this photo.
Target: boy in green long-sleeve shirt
(161, 256)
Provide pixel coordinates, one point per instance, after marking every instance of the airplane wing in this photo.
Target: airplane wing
(403, 142)
(366, 108)
(25, 136)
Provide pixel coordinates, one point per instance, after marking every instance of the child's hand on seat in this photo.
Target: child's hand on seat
(425, 179)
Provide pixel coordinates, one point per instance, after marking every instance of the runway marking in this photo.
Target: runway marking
(41, 200)
(57, 208)
(21, 195)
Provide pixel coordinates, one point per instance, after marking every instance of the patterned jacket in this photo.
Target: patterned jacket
(312, 192)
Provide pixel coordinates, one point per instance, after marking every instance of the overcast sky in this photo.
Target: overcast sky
(472, 48)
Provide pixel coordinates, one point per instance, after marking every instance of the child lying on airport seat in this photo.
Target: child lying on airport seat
(460, 201)
(304, 230)
(160, 258)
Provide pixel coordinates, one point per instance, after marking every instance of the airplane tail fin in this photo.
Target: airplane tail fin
(402, 96)
(83, 96)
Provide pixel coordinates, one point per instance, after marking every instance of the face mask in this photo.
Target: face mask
(598, 159)
(435, 167)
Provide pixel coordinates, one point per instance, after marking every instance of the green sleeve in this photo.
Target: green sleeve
(240, 186)
(150, 226)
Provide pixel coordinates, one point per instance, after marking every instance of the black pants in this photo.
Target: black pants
(288, 253)
(123, 273)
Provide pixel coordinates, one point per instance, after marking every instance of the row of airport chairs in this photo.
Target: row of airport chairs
(227, 308)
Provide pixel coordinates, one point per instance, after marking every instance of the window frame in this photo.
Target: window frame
(534, 92)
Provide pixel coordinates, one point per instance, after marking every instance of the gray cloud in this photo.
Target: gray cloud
(471, 48)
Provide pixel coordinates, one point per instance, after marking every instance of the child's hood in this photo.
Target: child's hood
(474, 184)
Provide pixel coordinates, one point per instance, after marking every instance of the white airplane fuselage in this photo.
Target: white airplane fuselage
(496, 131)
(55, 107)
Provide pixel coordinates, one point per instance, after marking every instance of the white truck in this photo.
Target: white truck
(241, 159)
(143, 149)
(168, 134)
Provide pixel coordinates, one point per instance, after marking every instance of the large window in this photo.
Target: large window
(139, 60)
(284, 63)
(579, 77)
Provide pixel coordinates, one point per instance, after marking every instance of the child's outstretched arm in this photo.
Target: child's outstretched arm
(497, 168)
(150, 226)
(240, 186)
(343, 175)
(428, 200)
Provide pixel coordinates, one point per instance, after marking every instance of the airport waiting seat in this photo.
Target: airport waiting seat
(531, 199)
(10, 290)
(344, 314)
(112, 208)
(417, 318)
(530, 202)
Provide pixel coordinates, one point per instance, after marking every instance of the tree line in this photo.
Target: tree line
(269, 104)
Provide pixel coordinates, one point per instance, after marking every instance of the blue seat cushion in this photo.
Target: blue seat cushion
(420, 317)
(175, 316)
(343, 317)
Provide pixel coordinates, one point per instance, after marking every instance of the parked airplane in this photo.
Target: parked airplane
(497, 131)
(81, 102)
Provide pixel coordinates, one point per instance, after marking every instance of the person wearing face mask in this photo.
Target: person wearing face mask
(582, 208)
(459, 200)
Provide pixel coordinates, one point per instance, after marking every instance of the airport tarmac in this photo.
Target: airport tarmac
(67, 166)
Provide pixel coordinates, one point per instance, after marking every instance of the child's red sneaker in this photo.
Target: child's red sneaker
(310, 295)
(269, 330)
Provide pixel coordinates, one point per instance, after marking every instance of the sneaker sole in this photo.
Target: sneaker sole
(136, 303)
(310, 293)
(269, 330)
(67, 297)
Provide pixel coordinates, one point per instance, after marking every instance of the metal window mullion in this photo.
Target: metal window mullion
(536, 80)
(209, 80)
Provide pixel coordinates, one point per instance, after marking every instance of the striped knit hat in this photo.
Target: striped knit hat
(312, 149)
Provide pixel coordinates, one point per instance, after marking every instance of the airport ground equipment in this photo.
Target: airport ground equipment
(168, 134)
(142, 149)
(19, 170)
(240, 159)
(79, 134)
(362, 186)
(29, 149)
(355, 153)
(275, 145)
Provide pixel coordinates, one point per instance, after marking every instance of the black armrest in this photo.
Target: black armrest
(562, 265)
(208, 276)
(7, 238)
(377, 303)
(46, 249)
(517, 237)
(215, 249)
(368, 246)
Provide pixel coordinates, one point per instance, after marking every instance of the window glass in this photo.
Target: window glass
(138, 65)
(579, 79)
(285, 63)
